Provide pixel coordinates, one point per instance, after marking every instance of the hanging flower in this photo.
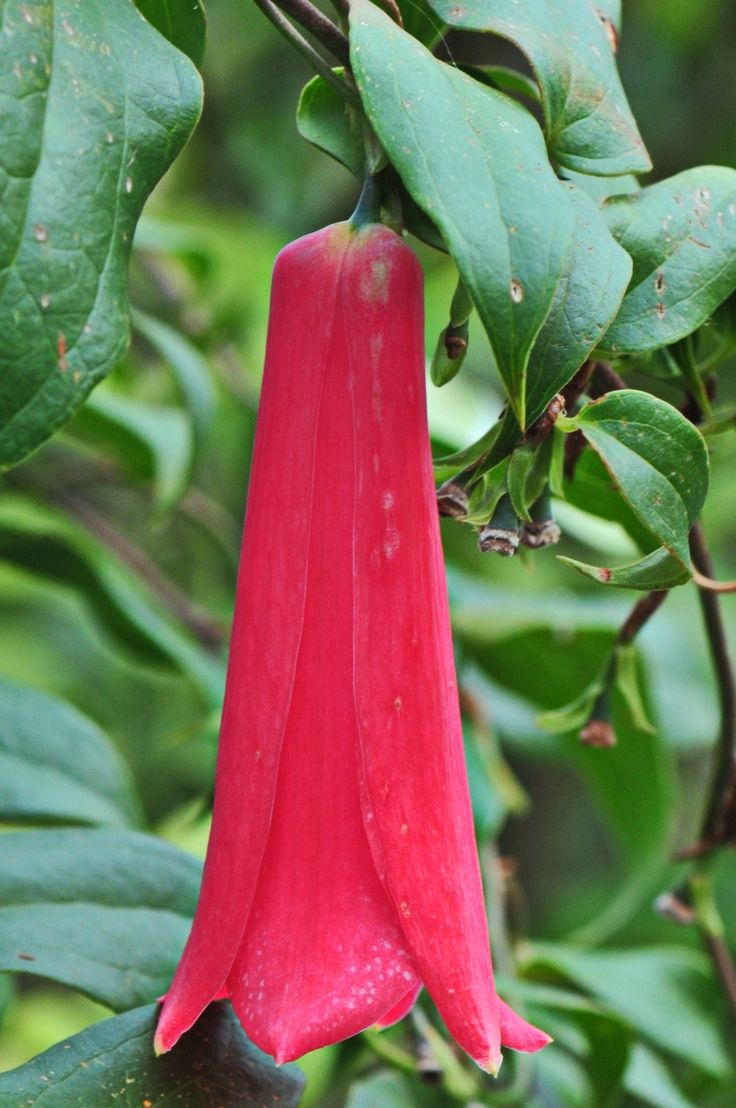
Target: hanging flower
(342, 871)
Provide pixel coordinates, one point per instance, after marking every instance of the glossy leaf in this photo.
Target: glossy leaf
(659, 463)
(104, 912)
(57, 766)
(586, 299)
(182, 22)
(96, 107)
(658, 570)
(666, 992)
(324, 119)
(48, 543)
(681, 234)
(214, 1065)
(462, 165)
(588, 121)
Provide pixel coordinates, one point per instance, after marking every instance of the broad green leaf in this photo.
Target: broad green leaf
(586, 299)
(42, 540)
(648, 1078)
(666, 992)
(658, 570)
(188, 366)
(153, 443)
(657, 459)
(324, 119)
(505, 80)
(111, 1065)
(104, 912)
(463, 166)
(421, 22)
(592, 490)
(588, 121)
(96, 105)
(57, 766)
(681, 234)
(600, 189)
(182, 22)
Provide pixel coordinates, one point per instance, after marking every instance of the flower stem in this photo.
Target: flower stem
(318, 25)
(317, 62)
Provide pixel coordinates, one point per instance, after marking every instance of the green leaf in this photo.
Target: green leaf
(628, 683)
(648, 1078)
(112, 1064)
(586, 299)
(44, 541)
(593, 491)
(96, 107)
(681, 234)
(520, 466)
(421, 22)
(182, 22)
(666, 992)
(658, 570)
(192, 373)
(600, 189)
(324, 119)
(463, 165)
(152, 442)
(104, 912)
(57, 766)
(659, 463)
(588, 121)
(573, 716)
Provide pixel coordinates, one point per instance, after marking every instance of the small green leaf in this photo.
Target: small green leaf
(112, 1064)
(96, 106)
(600, 189)
(182, 22)
(666, 992)
(152, 443)
(462, 165)
(188, 366)
(588, 121)
(57, 766)
(324, 119)
(659, 463)
(681, 234)
(104, 912)
(573, 716)
(520, 466)
(658, 570)
(628, 683)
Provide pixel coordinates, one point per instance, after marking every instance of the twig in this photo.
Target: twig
(605, 379)
(317, 62)
(640, 614)
(721, 795)
(209, 633)
(318, 25)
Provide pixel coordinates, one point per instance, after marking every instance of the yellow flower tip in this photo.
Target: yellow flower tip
(492, 1065)
(159, 1046)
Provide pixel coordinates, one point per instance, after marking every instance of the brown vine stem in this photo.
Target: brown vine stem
(318, 25)
(720, 797)
(315, 60)
(713, 586)
(640, 614)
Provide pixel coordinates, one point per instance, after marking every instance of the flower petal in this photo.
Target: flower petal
(323, 955)
(400, 1010)
(268, 621)
(414, 787)
(517, 1034)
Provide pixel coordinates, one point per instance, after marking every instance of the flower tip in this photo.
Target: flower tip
(492, 1064)
(159, 1045)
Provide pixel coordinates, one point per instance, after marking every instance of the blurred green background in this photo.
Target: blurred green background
(158, 486)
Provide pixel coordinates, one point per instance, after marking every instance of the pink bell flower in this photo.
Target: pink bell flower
(342, 871)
